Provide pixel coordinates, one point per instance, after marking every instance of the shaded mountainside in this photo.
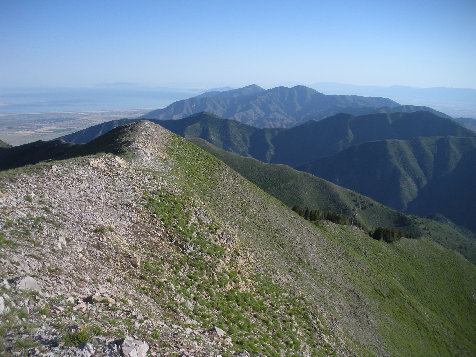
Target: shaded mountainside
(329, 136)
(421, 175)
(302, 144)
(278, 107)
(294, 187)
(230, 135)
(32, 153)
(167, 243)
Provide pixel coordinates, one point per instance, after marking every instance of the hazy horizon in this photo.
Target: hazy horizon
(219, 86)
(191, 44)
(456, 102)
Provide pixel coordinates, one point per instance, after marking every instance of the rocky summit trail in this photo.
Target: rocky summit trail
(71, 248)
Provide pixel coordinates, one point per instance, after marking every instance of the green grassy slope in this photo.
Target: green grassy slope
(347, 277)
(277, 284)
(421, 175)
(294, 187)
(415, 267)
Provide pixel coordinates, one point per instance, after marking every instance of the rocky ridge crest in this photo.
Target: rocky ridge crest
(77, 231)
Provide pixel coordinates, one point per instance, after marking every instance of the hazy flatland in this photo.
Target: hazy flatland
(18, 129)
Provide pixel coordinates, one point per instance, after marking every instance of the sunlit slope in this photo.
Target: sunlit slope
(329, 270)
(216, 250)
(294, 187)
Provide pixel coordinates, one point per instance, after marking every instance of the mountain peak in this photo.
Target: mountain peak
(232, 93)
(247, 90)
(301, 87)
(279, 107)
(140, 135)
(254, 87)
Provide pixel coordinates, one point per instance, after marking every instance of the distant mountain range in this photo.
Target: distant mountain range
(279, 107)
(457, 102)
(358, 152)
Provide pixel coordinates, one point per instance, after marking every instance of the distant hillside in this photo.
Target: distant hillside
(467, 123)
(314, 139)
(302, 144)
(95, 131)
(151, 238)
(326, 137)
(229, 135)
(294, 187)
(33, 153)
(421, 175)
(273, 108)
(4, 144)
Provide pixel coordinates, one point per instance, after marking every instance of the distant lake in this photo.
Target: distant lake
(29, 100)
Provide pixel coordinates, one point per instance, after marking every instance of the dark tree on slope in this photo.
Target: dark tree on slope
(390, 235)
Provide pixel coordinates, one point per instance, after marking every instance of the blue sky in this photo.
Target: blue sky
(45, 43)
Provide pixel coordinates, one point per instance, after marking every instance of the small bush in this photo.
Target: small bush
(100, 229)
(74, 336)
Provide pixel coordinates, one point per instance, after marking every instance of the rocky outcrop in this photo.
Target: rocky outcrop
(134, 348)
(28, 283)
